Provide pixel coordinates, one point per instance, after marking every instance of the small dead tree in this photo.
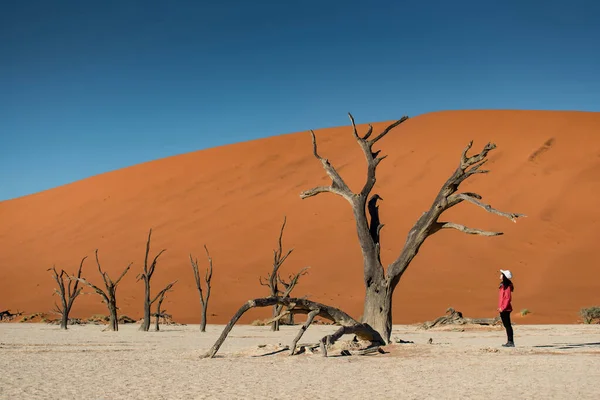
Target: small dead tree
(67, 294)
(207, 279)
(380, 283)
(274, 278)
(161, 296)
(109, 297)
(288, 287)
(146, 276)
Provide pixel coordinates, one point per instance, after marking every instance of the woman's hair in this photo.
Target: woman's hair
(507, 283)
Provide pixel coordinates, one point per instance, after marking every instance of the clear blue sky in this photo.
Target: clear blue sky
(92, 86)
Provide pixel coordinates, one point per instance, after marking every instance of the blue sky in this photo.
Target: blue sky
(88, 87)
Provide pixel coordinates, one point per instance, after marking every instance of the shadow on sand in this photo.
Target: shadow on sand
(569, 346)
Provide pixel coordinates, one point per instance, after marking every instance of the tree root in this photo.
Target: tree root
(303, 306)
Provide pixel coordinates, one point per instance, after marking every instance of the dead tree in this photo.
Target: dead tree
(109, 297)
(274, 279)
(348, 325)
(161, 296)
(67, 294)
(379, 282)
(288, 287)
(6, 314)
(207, 279)
(146, 276)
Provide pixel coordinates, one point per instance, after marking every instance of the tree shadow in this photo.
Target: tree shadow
(273, 352)
(569, 346)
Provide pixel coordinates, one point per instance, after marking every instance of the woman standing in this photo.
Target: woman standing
(504, 304)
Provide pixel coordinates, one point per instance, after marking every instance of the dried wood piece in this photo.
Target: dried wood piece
(454, 317)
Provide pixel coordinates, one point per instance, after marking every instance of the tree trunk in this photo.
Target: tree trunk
(275, 324)
(113, 323)
(203, 319)
(145, 326)
(156, 323)
(64, 319)
(377, 311)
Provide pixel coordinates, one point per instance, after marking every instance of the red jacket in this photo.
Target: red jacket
(504, 298)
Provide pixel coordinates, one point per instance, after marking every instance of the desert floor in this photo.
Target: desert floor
(39, 361)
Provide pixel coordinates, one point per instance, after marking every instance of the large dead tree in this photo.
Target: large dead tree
(274, 278)
(207, 280)
(67, 293)
(146, 276)
(161, 296)
(109, 297)
(348, 325)
(380, 282)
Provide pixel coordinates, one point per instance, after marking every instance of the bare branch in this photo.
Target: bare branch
(474, 199)
(94, 287)
(387, 130)
(197, 277)
(260, 280)
(105, 277)
(466, 162)
(309, 319)
(323, 189)
(446, 198)
(338, 186)
(122, 274)
(75, 291)
(161, 297)
(293, 281)
(209, 270)
(163, 292)
(148, 271)
(464, 229)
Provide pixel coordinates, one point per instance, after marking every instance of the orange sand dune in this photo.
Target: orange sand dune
(234, 198)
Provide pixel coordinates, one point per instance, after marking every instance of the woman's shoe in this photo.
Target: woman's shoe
(509, 344)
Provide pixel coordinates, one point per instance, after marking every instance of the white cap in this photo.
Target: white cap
(506, 273)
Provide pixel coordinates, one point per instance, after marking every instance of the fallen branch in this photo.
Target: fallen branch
(454, 317)
(303, 306)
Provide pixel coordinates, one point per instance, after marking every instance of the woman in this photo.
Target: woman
(504, 306)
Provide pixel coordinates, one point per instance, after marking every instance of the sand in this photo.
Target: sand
(233, 199)
(40, 361)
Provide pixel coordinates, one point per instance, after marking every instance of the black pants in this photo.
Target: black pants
(505, 316)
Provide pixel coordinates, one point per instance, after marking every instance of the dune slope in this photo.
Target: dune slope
(234, 198)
